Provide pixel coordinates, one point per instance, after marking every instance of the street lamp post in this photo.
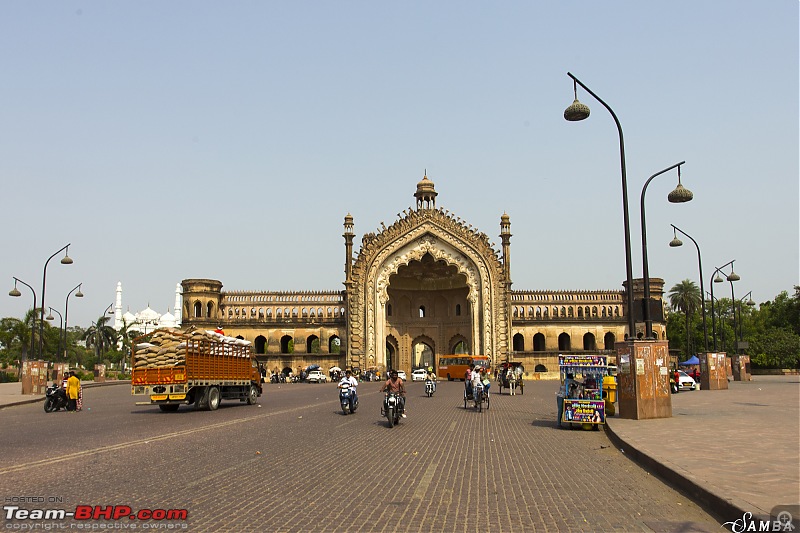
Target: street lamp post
(78, 294)
(66, 260)
(677, 196)
(578, 111)
(15, 293)
(60, 325)
(677, 242)
(750, 303)
(733, 276)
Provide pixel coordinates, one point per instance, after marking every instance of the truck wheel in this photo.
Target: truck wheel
(213, 398)
(169, 407)
(252, 395)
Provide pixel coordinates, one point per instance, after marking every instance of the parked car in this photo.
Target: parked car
(419, 374)
(685, 381)
(401, 374)
(316, 376)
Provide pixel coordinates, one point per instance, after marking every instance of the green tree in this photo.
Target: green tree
(100, 336)
(685, 297)
(775, 348)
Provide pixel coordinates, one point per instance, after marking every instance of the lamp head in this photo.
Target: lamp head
(680, 195)
(50, 317)
(675, 242)
(14, 292)
(733, 276)
(750, 302)
(718, 279)
(79, 294)
(576, 111)
(66, 260)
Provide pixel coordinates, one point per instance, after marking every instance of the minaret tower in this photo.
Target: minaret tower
(505, 235)
(118, 308)
(178, 305)
(348, 248)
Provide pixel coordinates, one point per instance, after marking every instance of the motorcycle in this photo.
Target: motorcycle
(348, 398)
(430, 387)
(55, 399)
(392, 408)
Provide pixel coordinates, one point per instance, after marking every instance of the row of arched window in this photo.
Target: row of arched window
(283, 298)
(564, 343)
(252, 313)
(289, 344)
(605, 311)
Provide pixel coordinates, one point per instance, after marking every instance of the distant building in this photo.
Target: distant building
(146, 320)
(428, 285)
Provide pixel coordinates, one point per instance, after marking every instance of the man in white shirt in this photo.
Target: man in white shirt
(348, 378)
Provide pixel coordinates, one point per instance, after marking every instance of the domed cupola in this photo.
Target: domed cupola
(426, 194)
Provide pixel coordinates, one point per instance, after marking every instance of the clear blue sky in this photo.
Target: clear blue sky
(228, 140)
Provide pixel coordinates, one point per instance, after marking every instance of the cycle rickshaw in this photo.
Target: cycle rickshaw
(513, 382)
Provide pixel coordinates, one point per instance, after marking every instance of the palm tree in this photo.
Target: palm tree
(685, 297)
(100, 336)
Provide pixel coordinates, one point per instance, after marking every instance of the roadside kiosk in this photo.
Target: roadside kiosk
(580, 398)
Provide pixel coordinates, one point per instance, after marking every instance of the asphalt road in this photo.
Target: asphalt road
(294, 462)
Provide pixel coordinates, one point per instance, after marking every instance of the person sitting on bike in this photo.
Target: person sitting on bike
(476, 380)
(348, 378)
(395, 384)
(431, 376)
(485, 380)
(468, 380)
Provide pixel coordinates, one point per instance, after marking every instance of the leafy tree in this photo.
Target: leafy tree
(775, 348)
(100, 336)
(685, 297)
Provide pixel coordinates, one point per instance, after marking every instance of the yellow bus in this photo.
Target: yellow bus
(452, 367)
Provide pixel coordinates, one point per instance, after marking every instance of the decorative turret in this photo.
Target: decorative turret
(426, 194)
(505, 235)
(348, 247)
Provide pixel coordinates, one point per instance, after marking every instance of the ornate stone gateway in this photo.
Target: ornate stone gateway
(428, 285)
(427, 281)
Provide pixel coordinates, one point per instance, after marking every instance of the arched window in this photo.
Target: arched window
(209, 309)
(287, 344)
(538, 343)
(388, 309)
(609, 340)
(334, 344)
(312, 344)
(519, 343)
(564, 342)
(260, 344)
(458, 309)
(422, 311)
(589, 342)
(198, 310)
(460, 348)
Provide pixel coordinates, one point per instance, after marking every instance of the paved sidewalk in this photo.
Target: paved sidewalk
(734, 450)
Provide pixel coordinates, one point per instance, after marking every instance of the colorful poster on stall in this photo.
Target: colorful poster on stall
(582, 360)
(584, 411)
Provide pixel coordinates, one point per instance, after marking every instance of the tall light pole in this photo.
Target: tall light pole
(677, 242)
(678, 196)
(60, 325)
(733, 276)
(15, 293)
(578, 111)
(78, 294)
(66, 260)
(750, 303)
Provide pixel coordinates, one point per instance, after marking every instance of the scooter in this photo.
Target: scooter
(430, 387)
(392, 408)
(348, 398)
(55, 398)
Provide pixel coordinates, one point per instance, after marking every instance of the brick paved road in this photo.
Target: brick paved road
(444, 468)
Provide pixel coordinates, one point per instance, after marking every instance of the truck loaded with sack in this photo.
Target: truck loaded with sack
(193, 367)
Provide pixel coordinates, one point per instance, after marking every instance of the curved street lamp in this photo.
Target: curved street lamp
(578, 111)
(733, 276)
(60, 326)
(675, 242)
(66, 260)
(15, 293)
(678, 196)
(749, 303)
(78, 294)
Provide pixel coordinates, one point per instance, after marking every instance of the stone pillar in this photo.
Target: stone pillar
(643, 375)
(713, 371)
(740, 365)
(34, 377)
(100, 373)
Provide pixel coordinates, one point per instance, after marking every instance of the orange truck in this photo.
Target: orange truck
(193, 367)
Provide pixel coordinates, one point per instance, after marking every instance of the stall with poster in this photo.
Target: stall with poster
(580, 398)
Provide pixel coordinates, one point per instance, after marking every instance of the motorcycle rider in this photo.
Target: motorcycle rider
(431, 376)
(395, 384)
(348, 378)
